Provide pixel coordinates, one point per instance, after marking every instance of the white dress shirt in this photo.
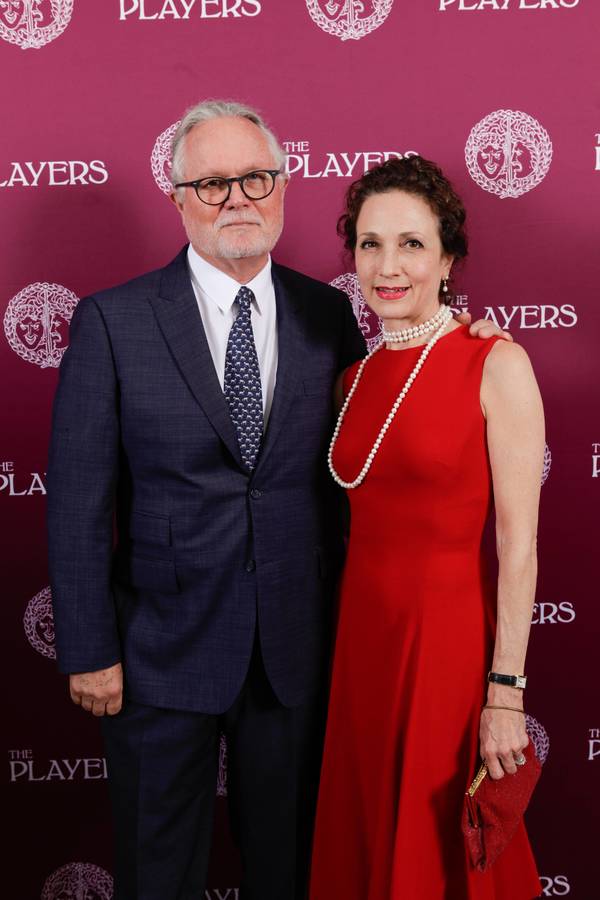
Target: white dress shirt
(216, 292)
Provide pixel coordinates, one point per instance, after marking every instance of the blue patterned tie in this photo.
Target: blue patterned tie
(242, 381)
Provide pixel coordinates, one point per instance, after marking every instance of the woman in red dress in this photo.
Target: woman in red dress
(433, 424)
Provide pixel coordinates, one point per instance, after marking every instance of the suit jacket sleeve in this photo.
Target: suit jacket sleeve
(82, 476)
(353, 343)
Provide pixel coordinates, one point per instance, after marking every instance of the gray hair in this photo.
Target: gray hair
(218, 109)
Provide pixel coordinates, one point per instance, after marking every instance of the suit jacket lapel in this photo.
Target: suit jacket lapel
(178, 317)
(291, 349)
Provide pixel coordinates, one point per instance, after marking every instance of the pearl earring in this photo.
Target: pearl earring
(445, 285)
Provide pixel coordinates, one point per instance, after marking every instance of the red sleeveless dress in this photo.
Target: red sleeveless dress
(414, 641)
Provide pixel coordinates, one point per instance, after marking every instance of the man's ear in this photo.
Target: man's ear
(173, 198)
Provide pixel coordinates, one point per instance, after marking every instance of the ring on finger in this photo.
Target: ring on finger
(520, 760)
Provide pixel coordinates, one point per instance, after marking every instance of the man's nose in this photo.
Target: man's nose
(237, 197)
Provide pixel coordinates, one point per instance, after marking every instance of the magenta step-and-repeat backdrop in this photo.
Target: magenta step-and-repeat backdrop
(504, 95)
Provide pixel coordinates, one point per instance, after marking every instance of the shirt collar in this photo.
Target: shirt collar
(220, 288)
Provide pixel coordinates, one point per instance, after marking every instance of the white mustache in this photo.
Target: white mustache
(230, 219)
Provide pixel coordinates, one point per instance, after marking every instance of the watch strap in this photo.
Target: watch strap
(516, 681)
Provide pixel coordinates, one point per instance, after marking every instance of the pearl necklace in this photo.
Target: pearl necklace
(446, 316)
(408, 334)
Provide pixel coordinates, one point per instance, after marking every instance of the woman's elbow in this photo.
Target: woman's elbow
(517, 549)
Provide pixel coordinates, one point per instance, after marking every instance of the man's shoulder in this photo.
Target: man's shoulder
(304, 284)
(139, 287)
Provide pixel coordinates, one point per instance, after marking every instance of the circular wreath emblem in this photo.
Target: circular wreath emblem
(539, 737)
(349, 19)
(78, 880)
(368, 322)
(508, 153)
(36, 322)
(38, 622)
(160, 159)
(31, 24)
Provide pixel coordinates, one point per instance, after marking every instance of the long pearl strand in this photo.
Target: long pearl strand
(409, 334)
(446, 316)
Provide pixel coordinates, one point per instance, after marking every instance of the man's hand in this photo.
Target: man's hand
(483, 328)
(100, 693)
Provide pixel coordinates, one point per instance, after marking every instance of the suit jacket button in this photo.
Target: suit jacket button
(255, 493)
(250, 565)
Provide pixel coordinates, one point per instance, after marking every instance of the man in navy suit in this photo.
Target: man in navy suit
(194, 532)
(212, 611)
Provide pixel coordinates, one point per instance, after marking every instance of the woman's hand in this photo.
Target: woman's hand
(482, 328)
(502, 738)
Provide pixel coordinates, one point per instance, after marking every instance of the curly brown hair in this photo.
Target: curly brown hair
(413, 175)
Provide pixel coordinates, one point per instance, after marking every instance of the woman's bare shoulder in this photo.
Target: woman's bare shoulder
(507, 360)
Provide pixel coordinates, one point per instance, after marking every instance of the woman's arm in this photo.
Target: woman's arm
(515, 435)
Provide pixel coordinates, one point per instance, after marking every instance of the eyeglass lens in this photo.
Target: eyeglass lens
(255, 186)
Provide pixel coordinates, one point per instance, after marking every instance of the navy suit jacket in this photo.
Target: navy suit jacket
(165, 551)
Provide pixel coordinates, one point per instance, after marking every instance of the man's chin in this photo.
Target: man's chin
(240, 253)
(244, 250)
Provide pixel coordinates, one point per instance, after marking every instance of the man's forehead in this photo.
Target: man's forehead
(226, 146)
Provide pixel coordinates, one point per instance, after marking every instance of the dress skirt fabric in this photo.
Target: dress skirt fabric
(414, 642)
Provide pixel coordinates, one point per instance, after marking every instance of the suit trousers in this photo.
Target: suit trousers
(162, 768)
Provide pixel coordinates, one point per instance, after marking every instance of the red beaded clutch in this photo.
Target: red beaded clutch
(493, 809)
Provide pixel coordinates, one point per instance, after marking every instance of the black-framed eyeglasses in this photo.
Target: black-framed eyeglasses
(215, 190)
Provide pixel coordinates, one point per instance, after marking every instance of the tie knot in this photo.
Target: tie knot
(244, 297)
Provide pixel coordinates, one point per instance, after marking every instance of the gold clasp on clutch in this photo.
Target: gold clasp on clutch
(477, 780)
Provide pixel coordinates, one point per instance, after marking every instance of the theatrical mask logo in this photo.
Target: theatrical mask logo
(30, 24)
(508, 153)
(160, 159)
(36, 323)
(539, 737)
(38, 622)
(78, 881)
(368, 322)
(349, 19)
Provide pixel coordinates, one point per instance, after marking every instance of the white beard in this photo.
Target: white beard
(228, 249)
